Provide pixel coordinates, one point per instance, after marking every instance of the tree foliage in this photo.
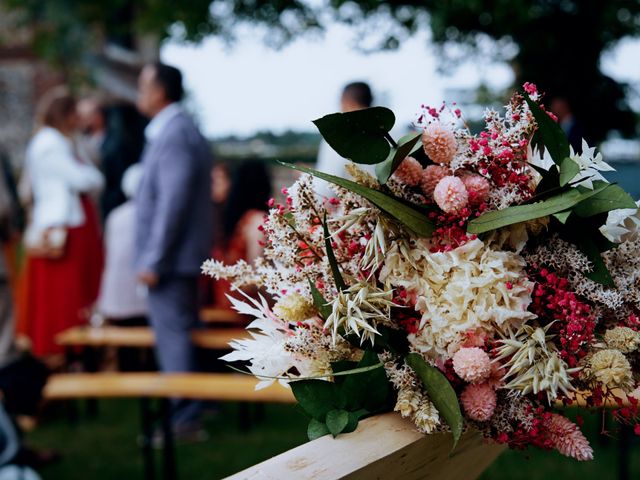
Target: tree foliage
(558, 43)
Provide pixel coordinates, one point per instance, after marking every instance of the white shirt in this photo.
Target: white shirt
(120, 294)
(57, 179)
(330, 162)
(160, 121)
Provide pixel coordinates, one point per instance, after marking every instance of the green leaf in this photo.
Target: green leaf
(316, 429)
(317, 397)
(522, 213)
(568, 170)
(600, 273)
(563, 216)
(321, 304)
(369, 389)
(337, 420)
(440, 392)
(612, 197)
(335, 268)
(550, 132)
(406, 146)
(412, 218)
(354, 418)
(360, 135)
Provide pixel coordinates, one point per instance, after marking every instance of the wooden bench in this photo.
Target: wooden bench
(220, 315)
(226, 387)
(148, 386)
(143, 337)
(384, 446)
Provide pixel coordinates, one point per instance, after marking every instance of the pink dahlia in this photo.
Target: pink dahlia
(472, 364)
(477, 187)
(409, 172)
(567, 438)
(450, 194)
(439, 143)
(430, 178)
(479, 401)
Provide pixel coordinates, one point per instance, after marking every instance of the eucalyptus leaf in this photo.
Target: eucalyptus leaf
(354, 418)
(360, 135)
(337, 420)
(440, 392)
(412, 218)
(523, 213)
(317, 397)
(568, 170)
(316, 429)
(612, 197)
(321, 304)
(406, 146)
(369, 389)
(335, 268)
(550, 132)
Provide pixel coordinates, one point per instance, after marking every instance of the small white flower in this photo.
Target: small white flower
(622, 225)
(590, 166)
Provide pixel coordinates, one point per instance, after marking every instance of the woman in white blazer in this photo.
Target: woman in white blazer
(63, 237)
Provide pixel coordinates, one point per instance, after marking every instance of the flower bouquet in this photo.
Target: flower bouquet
(483, 281)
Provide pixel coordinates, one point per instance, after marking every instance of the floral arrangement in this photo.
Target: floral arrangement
(486, 281)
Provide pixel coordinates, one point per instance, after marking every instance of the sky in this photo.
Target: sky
(251, 87)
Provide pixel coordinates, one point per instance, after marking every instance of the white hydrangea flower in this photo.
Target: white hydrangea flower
(590, 166)
(622, 224)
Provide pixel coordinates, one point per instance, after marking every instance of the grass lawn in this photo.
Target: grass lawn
(105, 448)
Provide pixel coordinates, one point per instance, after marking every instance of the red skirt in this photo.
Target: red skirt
(61, 291)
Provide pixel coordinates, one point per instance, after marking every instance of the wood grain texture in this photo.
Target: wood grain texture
(205, 386)
(220, 315)
(383, 447)
(143, 337)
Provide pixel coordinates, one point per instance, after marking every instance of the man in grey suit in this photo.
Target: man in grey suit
(173, 234)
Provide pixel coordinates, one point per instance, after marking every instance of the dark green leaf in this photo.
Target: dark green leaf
(354, 418)
(522, 213)
(563, 216)
(551, 133)
(550, 179)
(568, 170)
(316, 429)
(367, 390)
(321, 304)
(360, 135)
(317, 397)
(612, 197)
(600, 273)
(440, 392)
(337, 420)
(331, 257)
(412, 218)
(406, 146)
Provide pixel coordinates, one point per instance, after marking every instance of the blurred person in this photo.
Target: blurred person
(121, 299)
(173, 234)
(64, 248)
(355, 96)
(572, 128)
(113, 134)
(242, 217)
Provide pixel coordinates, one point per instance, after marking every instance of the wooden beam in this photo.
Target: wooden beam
(384, 446)
(204, 386)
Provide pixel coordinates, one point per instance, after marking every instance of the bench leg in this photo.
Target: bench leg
(168, 450)
(147, 437)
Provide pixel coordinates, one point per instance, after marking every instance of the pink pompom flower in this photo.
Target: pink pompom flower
(409, 172)
(567, 438)
(450, 194)
(430, 178)
(472, 364)
(479, 401)
(477, 188)
(439, 143)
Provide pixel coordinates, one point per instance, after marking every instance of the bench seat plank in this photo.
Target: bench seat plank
(201, 386)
